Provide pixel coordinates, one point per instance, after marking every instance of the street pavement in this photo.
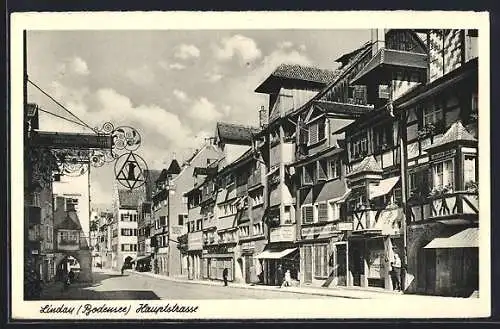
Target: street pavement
(133, 286)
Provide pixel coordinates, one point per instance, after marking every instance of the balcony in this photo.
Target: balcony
(450, 208)
(283, 234)
(379, 68)
(241, 190)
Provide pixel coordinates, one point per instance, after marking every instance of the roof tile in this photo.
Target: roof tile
(456, 132)
(369, 164)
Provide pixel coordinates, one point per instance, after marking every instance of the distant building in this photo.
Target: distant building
(124, 229)
(169, 209)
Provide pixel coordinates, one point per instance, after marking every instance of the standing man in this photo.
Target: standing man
(396, 272)
(224, 276)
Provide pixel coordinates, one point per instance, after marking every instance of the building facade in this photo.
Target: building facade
(124, 229)
(170, 210)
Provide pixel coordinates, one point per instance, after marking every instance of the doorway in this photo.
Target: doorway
(308, 270)
(341, 263)
(248, 269)
(356, 262)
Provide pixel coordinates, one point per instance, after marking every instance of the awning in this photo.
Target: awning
(384, 187)
(274, 254)
(141, 258)
(468, 238)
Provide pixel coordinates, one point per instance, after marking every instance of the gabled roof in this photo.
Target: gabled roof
(71, 222)
(456, 133)
(369, 164)
(235, 133)
(296, 72)
(128, 199)
(174, 168)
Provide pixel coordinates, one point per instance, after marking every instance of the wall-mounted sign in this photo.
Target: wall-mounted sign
(318, 231)
(444, 154)
(282, 234)
(248, 245)
(195, 241)
(71, 140)
(345, 226)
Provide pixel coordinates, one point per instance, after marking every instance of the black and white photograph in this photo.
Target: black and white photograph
(322, 166)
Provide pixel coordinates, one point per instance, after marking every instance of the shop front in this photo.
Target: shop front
(277, 258)
(372, 250)
(323, 256)
(216, 258)
(251, 268)
(195, 249)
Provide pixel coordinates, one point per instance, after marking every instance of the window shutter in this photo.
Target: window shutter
(313, 133)
(307, 214)
(321, 129)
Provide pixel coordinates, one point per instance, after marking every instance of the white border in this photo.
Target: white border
(391, 307)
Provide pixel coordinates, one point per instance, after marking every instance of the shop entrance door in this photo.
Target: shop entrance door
(341, 264)
(430, 273)
(248, 269)
(308, 270)
(357, 263)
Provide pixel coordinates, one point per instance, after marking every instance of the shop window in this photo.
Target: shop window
(307, 214)
(334, 169)
(469, 170)
(322, 212)
(321, 261)
(443, 175)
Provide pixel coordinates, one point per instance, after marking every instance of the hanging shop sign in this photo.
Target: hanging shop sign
(130, 170)
(57, 140)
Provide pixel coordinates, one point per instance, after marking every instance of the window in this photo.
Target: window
(334, 211)
(163, 221)
(71, 204)
(320, 261)
(443, 174)
(307, 174)
(258, 229)
(322, 212)
(433, 114)
(469, 169)
(198, 224)
(334, 169)
(383, 137)
(307, 214)
(317, 131)
(129, 247)
(418, 182)
(359, 145)
(181, 219)
(322, 170)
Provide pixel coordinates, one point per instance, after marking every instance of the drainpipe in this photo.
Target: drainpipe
(404, 190)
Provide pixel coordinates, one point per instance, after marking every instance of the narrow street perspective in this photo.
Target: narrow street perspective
(335, 164)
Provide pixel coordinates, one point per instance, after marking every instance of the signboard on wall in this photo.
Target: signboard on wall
(195, 241)
(318, 231)
(176, 230)
(282, 234)
(248, 245)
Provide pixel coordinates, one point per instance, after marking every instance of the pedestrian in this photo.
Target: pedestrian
(71, 276)
(224, 276)
(287, 282)
(279, 275)
(123, 268)
(396, 272)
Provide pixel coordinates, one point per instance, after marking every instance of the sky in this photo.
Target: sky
(170, 85)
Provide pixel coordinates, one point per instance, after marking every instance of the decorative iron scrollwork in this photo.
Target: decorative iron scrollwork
(125, 138)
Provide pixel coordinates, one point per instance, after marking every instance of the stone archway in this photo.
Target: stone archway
(84, 263)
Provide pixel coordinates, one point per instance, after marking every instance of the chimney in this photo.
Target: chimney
(377, 40)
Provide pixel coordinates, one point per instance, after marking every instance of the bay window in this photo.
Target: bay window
(469, 169)
(443, 174)
(321, 261)
(359, 145)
